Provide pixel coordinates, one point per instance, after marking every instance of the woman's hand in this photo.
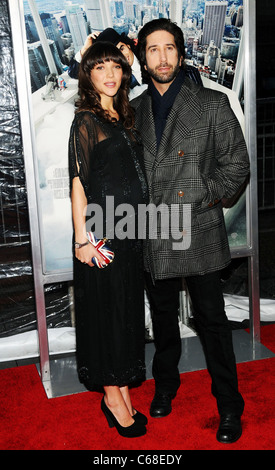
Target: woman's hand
(86, 253)
(79, 207)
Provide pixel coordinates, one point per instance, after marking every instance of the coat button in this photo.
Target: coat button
(180, 153)
(180, 193)
(210, 204)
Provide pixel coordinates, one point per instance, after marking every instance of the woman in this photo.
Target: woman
(105, 158)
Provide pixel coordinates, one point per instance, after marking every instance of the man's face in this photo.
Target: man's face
(162, 61)
(127, 52)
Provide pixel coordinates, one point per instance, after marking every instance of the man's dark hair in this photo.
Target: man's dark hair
(161, 24)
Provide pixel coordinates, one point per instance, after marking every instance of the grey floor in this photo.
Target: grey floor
(64, 380)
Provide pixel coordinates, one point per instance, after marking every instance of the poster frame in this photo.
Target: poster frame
(250, 251)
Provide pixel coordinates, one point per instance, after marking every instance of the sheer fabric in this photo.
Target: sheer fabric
(109, 303)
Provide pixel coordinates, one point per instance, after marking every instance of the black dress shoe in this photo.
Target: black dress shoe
(161, 405)
(230, 428)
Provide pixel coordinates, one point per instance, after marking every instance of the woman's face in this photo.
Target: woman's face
(106, 78)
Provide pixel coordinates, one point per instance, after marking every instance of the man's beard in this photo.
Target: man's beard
(164, 78)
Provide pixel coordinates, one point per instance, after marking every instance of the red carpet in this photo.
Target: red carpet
(30, 421)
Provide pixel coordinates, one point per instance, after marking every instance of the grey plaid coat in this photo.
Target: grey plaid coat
(202, 158)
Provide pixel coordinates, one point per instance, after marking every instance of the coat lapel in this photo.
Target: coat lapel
(182, 118)
(146, 125)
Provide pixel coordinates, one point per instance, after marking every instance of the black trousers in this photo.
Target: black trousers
(213, 329)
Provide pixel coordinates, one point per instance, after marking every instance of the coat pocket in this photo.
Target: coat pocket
(209, 217)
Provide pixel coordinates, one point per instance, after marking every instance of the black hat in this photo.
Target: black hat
(110, 35)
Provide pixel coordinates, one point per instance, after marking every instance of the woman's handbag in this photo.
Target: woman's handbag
(103, 250)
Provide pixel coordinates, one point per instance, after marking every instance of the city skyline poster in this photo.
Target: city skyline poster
(56, 31)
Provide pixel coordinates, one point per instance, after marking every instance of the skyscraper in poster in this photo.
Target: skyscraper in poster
(98, 14)
(214, 21)
(77, 25)
(176, 11)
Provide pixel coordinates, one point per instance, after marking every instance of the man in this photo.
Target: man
(195, 156)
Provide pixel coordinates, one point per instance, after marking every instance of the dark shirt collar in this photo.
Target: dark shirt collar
(163, 103)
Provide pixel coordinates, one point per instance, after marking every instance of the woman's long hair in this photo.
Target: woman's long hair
(89, 98)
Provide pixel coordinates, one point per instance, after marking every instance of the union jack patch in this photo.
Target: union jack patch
(102, 249)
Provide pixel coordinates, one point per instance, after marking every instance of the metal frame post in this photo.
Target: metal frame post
(28, 137)
(27, 129)
(251, 140)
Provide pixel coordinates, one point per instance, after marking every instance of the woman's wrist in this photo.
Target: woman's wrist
(80, 245)
(80, 237)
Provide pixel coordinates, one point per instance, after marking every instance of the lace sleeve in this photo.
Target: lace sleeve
(81, 143)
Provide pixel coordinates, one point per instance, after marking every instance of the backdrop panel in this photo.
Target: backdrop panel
(46, 35)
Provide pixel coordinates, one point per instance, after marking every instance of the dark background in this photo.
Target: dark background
(236, 279)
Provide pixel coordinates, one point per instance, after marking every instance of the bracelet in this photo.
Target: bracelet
(80, 245)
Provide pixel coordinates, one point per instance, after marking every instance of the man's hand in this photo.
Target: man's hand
(89, 41)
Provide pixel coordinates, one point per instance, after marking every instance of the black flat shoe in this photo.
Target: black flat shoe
(230, 428)
(140, 418)
(134, 430)
(161, 405)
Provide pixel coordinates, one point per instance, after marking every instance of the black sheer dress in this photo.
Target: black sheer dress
(109, 302)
